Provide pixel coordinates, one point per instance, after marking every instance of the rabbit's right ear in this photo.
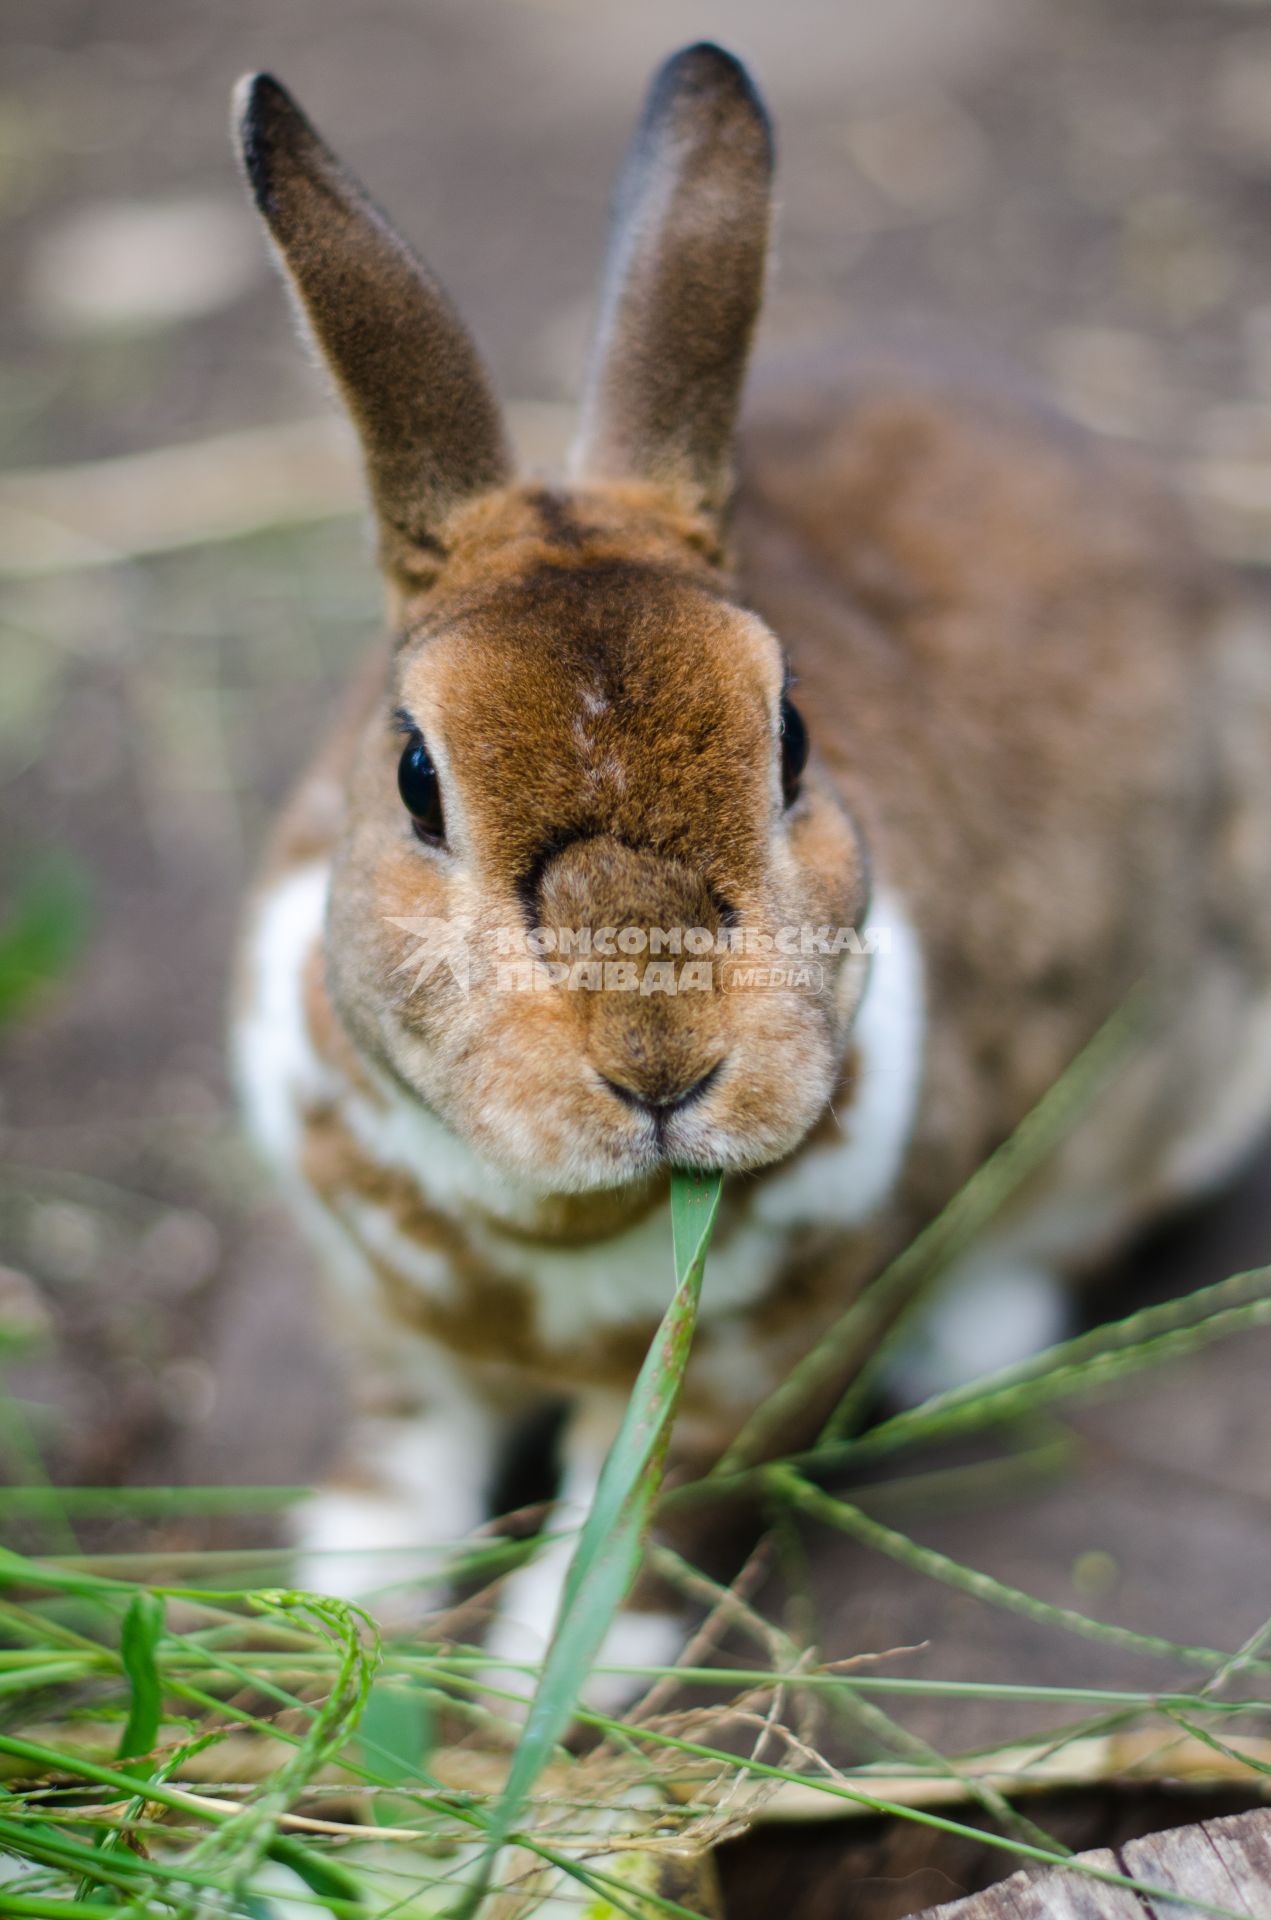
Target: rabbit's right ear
(683, 283)
(408, 372)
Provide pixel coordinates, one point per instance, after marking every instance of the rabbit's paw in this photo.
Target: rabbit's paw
(416, 1488)
(647, 1640)
(522, 1628)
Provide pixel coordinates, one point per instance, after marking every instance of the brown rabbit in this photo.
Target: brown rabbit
(560, 905)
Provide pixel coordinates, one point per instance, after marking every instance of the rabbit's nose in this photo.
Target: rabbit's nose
(666, 1100)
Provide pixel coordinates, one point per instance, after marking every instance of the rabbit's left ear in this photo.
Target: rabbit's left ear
(683, 283)
(404, 363)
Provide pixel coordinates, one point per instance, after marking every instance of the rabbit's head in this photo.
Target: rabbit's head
(581, 901)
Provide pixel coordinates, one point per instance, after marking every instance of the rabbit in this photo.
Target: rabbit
(920, 710)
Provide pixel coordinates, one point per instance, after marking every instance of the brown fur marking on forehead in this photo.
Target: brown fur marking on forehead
(608, 619)
(506, 530)
(589, 673)
(561, 527)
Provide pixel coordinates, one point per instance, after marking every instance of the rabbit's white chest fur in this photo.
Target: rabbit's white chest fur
(577, 1290)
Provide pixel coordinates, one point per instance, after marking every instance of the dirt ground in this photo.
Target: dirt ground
(1080, 190)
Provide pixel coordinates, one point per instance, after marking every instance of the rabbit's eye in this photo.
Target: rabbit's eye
(794, 749)
(420, 789)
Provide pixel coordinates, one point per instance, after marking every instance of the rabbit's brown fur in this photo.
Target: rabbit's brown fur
(1040, 728)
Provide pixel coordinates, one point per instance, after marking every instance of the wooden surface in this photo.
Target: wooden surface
(889, 1869)
(1221, 1863)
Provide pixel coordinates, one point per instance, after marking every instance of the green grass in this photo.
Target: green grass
(185, 1741)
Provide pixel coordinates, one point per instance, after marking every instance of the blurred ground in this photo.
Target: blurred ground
(1083, 190)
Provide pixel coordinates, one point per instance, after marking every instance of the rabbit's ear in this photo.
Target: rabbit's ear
(683, 282)
(408, 372)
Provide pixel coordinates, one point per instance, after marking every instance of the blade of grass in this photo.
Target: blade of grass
(45, 1761)
(1243, 1657)
(139, 1641)
(866, 1330)
(1169, 1331)
(47, 1673)
(858, 1715)
(151, 1502)
(1208, 1739)
(841, 1514)
(24, 1907)
(397, 1727)
(139, 1638)
(245, 1839)
(607, 1556)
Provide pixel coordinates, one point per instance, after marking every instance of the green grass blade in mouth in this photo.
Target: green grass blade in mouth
(607, 1556)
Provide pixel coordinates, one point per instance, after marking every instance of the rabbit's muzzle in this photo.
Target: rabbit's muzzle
(657, 1039)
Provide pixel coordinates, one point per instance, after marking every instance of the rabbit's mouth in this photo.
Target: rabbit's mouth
(694, 1140)
(686, 1126)
(662, 1108)
(499, 1124)
(671, 1132)
(564, 1090)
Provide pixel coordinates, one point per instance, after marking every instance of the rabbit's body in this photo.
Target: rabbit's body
(1041, 734)
(1054, 715)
